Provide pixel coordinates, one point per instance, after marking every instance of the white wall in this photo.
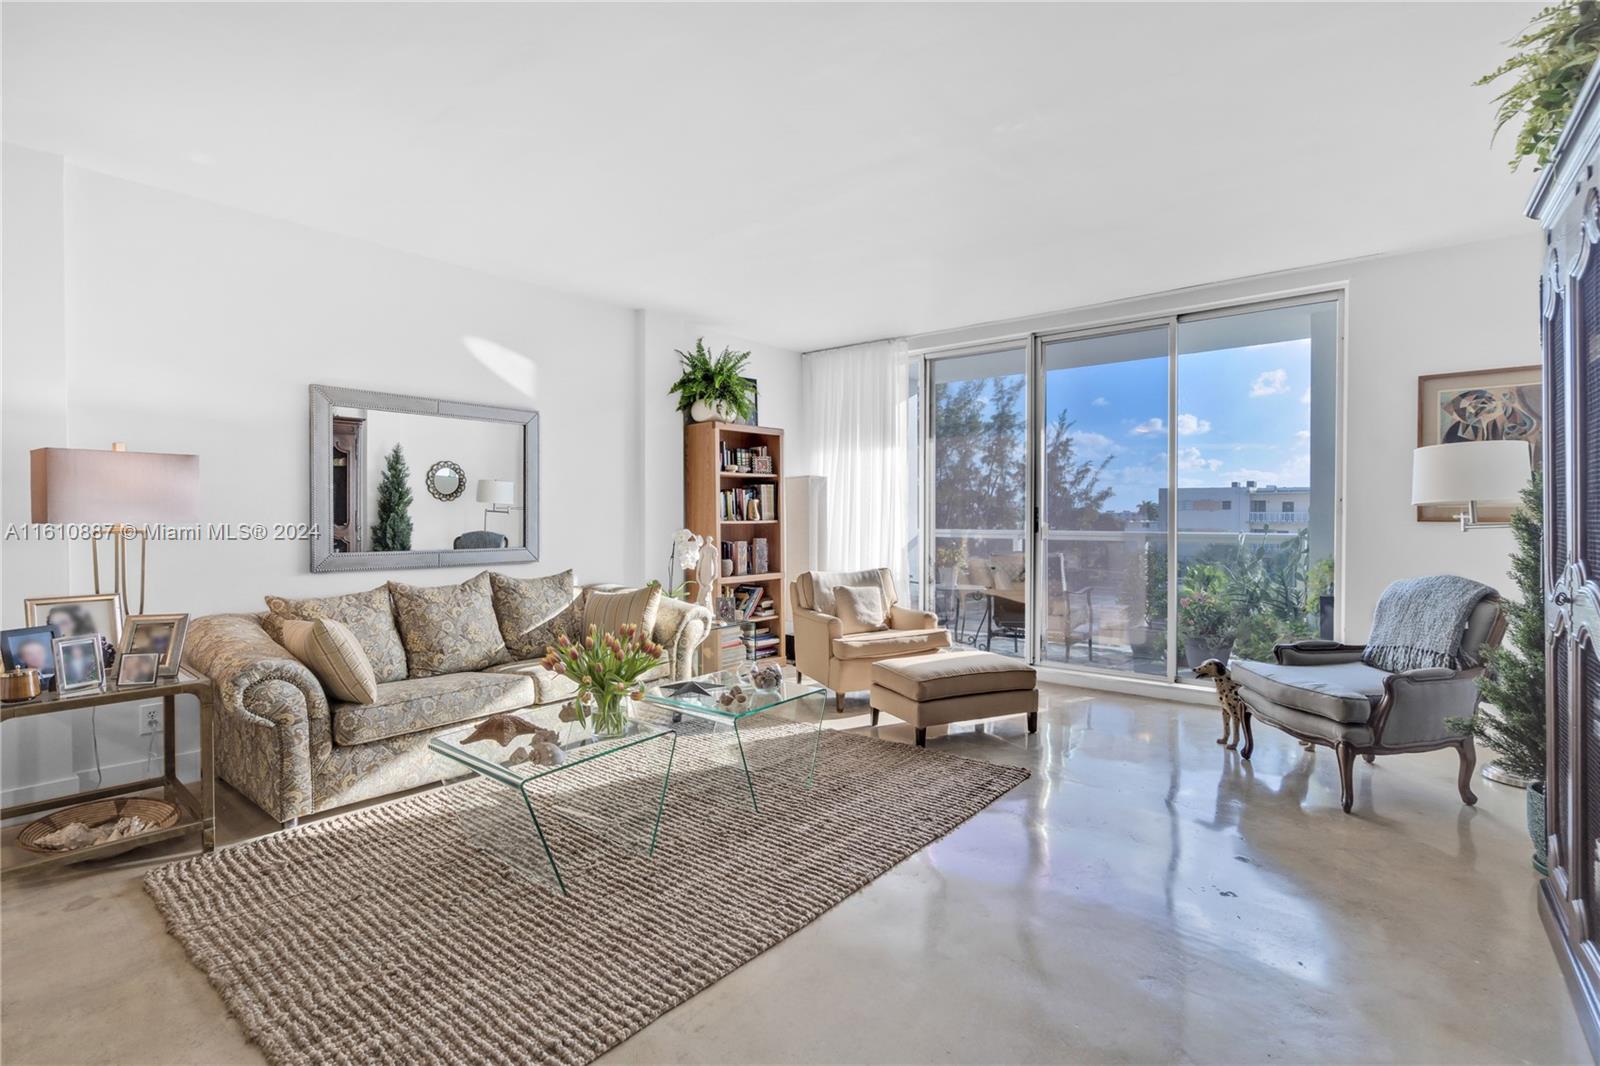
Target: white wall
(1468, 307)
(777, 375)
(140, 315)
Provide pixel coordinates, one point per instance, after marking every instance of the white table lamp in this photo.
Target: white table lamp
(498, 495)
(1471, 473)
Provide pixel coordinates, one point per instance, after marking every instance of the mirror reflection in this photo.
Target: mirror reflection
(403, 481)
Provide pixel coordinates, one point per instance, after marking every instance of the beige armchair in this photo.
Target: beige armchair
(843, 661)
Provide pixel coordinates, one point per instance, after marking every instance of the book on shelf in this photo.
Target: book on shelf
(754, 503)
(754, 460)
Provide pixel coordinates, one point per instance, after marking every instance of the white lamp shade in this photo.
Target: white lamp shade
(106, 487)
(491, 491)
(1484, 471)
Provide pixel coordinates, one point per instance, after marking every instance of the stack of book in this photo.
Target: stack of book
(760, 643)
(730, 649)
(745, 460)
(753, 504)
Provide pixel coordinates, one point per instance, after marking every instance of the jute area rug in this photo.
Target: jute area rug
(401, 933)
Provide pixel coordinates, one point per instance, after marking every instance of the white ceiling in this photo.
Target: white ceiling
(806, 175)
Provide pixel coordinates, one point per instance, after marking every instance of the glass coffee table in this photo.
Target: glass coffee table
(764, 730)
(613, 788)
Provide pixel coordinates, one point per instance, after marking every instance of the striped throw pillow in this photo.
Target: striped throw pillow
(609, 610)
(334, 654)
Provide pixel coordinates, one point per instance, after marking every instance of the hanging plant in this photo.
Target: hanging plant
(1553, 58)
(716, 383)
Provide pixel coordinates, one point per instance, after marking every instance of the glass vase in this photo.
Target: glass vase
(608, 712)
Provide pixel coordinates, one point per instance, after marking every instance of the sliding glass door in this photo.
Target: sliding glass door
(1103, 469)
(978, 469)
(1180, 477)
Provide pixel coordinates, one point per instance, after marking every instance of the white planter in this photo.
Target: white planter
(701, 411)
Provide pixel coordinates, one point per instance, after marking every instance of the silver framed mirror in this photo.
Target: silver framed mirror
(372, 510)
(446, 480)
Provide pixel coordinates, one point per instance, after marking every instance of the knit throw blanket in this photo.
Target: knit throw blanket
(1419, 623)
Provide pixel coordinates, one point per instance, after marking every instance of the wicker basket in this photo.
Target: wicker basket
(159, 813)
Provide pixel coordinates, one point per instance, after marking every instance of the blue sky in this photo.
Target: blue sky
(1244, 414)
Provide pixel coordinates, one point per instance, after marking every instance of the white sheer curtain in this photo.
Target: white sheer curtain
(856, 404)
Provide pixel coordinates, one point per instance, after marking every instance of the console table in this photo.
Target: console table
(195, 813)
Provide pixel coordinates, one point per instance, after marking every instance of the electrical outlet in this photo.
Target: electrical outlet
(149, 718)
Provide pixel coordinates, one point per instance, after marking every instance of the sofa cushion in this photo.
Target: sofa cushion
(1306, 724)
(448, 629)
(860, 609)
(816, 586)
(334, 655)
(369, 615)
(1339, 692)
(421, 703)
(961, 673)
(609, 610)
(533, 611)
(889, 643)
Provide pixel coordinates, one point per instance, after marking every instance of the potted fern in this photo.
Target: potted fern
(714, 386)
(1553, 57)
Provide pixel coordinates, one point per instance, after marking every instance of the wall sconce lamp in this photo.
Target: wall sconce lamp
(1471, 473)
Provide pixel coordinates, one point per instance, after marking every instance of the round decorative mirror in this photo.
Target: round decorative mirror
(446, 480)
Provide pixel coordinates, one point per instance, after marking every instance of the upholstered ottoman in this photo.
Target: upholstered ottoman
(960, 686)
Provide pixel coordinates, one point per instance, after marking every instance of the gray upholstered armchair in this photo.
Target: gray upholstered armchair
(1321, 692)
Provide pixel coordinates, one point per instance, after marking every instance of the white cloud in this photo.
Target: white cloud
(1305, 397)
(1091, 445)
(1191, 459)
(1100, 401)
(1154, 425)
(1189, 425)
(1270, 383)
(1303, 435)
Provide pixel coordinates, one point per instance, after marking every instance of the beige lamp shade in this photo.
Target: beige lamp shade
(1485, 472)
(109, 487)
(492, 491)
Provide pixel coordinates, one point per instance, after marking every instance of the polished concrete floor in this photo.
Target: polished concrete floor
(1144, 897)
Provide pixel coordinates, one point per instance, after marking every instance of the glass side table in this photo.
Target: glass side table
(763, 730)
(609, 787)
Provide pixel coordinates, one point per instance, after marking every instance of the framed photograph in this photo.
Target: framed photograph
(160, 634)
(33, 647)
(1473, 405)
(755, 405)
(79, 664)
(135, 669)
(78, 616)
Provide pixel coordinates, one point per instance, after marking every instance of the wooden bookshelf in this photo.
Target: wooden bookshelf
(704, 481)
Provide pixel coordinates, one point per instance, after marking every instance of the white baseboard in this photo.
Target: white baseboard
(1128, 686)
(121, 773)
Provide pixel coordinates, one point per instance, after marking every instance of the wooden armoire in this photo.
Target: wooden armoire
(1567, 204)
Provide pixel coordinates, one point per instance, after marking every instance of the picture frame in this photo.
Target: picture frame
(1502, 403)
(161, 634)
(755, 405)
(80, 665)
(77, 616)
(31, 647)
(138, 669)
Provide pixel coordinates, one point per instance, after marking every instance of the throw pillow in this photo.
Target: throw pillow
(369, 615)
(533, 611)
(334, 654)
(860, 609)
(448, 629)
(609, 610)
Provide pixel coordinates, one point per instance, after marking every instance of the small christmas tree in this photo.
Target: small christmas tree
(392, 532)
(1514, 681)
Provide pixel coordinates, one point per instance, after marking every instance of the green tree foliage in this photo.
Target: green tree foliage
(392, 531)
(1514, 681)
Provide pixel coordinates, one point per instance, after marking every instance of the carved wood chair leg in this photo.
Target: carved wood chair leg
(1347, 775)
(1249, 737)
(1371, 758)
(1469, 760)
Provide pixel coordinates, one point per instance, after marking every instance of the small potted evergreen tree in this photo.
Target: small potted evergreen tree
(392, 531)
(1514, 680)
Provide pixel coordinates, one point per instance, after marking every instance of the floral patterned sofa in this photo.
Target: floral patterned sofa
(291, 749)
